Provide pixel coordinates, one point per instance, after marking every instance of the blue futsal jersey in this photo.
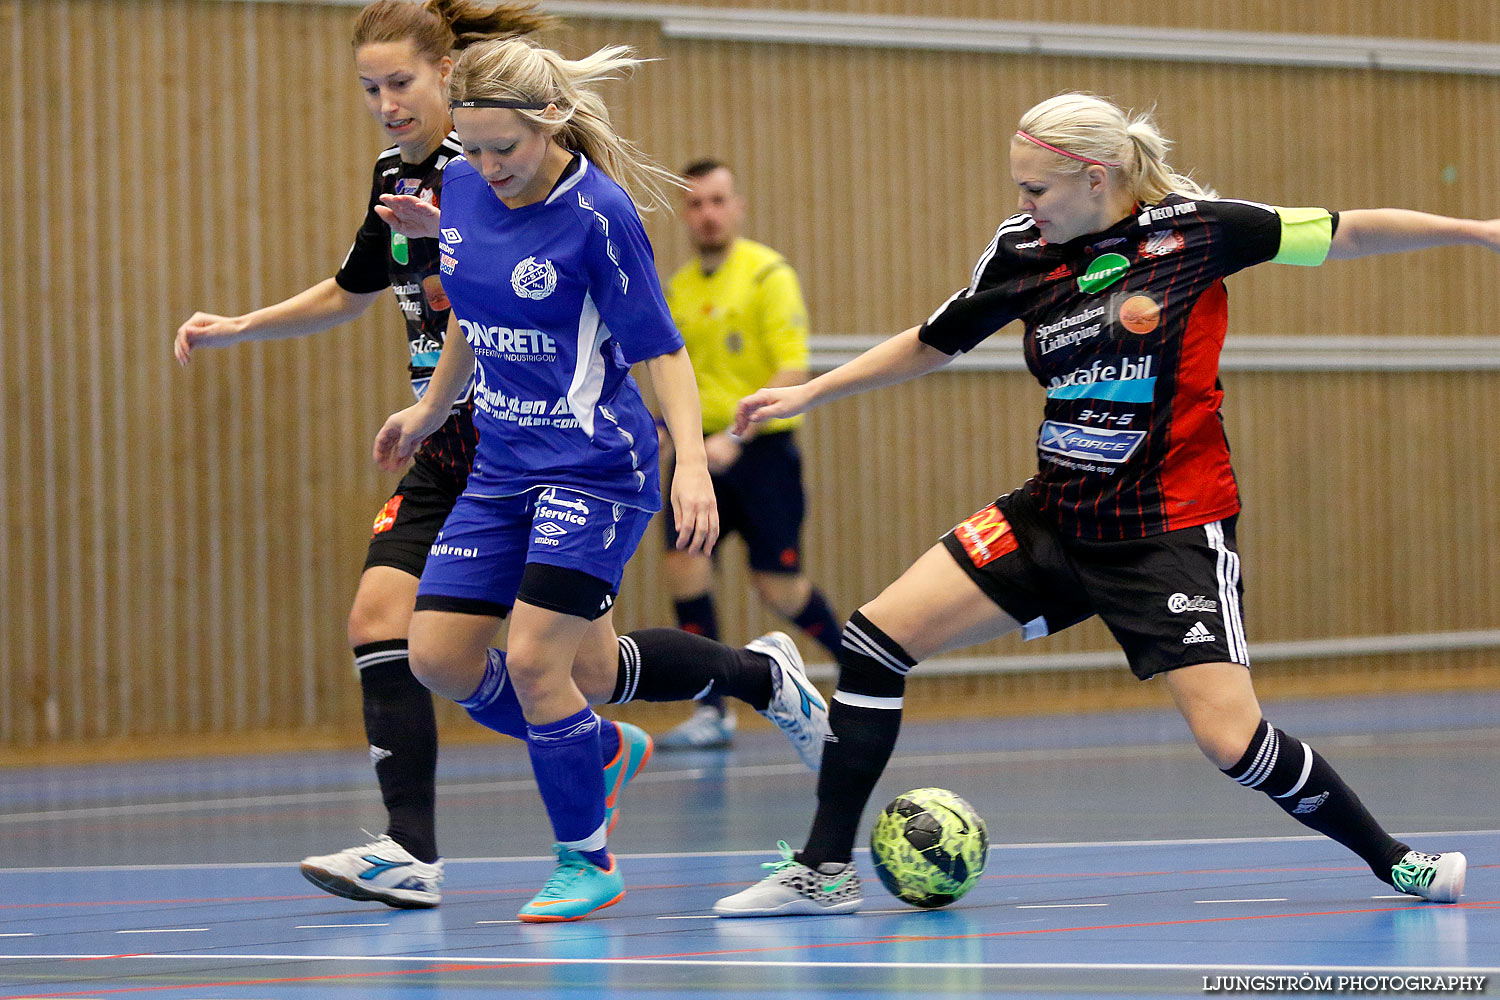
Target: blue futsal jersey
(558, 300)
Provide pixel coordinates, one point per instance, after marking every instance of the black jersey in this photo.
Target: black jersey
(380, 259)
(1123, 329)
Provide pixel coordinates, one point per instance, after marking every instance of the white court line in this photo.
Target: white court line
(1268, 899)
(27, 934)
(481, 923)
(672, 855)
(1056, 906)
(1366, 969)
(1140, 750)
(166, 930)
(649, 777)
(872, 913)
(319, 927)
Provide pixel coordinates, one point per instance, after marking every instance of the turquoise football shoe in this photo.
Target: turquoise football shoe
(635, 750)
(577, 888)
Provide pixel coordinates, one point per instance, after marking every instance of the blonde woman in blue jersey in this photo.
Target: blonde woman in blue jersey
(1115, 264)
(402, 55)
(555, 296)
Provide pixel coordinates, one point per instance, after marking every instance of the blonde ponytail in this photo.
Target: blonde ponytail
(518, 68)
(1088, 129)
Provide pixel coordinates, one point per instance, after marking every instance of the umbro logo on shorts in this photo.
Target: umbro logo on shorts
(1198, 633)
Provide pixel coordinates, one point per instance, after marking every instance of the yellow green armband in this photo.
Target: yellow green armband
(1306, 235)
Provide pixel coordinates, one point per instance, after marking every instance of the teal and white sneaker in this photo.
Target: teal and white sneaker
(635, 750)
(577, 888)
(1438, 877)
(792, 888)
(796, 707)
(381, 870)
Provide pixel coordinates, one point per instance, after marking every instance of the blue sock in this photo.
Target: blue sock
(565, 757)
(493, 704)
(609, 741)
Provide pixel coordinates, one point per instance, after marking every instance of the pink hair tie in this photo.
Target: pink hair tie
(1064, 152)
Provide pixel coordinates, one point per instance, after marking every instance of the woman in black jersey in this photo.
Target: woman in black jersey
(1115, 264)
(402, 55)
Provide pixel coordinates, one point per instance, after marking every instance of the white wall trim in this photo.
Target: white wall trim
(1242, 353)
(947, 34)
(1260, 652)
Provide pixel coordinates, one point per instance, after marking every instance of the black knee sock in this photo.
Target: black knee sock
(865, 716)
(402, 730)
(668, 664)
(1307, 787)
(816, 619)
(697, 615)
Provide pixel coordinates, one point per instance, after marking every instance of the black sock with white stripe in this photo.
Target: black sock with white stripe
(668, 664)
(865, 716)
(698, 616)
(1303, 784)
(402, 729)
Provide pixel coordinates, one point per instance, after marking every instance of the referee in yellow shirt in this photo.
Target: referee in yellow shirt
(740, 310)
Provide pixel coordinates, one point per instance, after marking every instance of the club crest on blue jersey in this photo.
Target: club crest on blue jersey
(533, 279)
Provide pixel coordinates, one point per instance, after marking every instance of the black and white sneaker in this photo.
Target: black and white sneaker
(792, 889)
(1438, 877)
(381, 870)
(796, 707)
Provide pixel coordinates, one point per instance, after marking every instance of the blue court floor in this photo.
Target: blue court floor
(1122, 863)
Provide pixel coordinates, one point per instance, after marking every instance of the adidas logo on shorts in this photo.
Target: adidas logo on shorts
(1198, 633)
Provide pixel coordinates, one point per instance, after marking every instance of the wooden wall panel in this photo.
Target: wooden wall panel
(181, 546)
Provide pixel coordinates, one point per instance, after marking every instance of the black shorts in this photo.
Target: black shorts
(1171, 600)
(410, 520)
(760, 496)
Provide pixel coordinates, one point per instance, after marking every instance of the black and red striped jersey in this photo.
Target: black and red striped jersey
(1123, 328)
(381, 259)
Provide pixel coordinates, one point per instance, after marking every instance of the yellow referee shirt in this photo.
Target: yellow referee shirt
(742, 324)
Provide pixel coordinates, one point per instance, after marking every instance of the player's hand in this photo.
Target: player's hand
(409, 215)
(205, 330)
(1489, 235)
(722, 451)
(770, 404)
(403, 434)
(695, 509)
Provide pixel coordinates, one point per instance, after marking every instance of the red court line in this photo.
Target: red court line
(891, 939)
(254, 982)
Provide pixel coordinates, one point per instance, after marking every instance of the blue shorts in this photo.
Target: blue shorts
(477, 563)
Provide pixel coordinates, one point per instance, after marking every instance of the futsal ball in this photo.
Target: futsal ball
(930, 847)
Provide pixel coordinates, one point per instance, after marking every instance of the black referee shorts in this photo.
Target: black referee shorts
(407, 525)
(1171, 600)
(761, 497)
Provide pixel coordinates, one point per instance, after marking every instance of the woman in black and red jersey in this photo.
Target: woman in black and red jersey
(402, 53)
(1115, 264)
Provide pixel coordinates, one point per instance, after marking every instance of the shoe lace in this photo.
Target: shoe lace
(787, 860)
(376, 843)
(1414, 871)
(568, 871)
